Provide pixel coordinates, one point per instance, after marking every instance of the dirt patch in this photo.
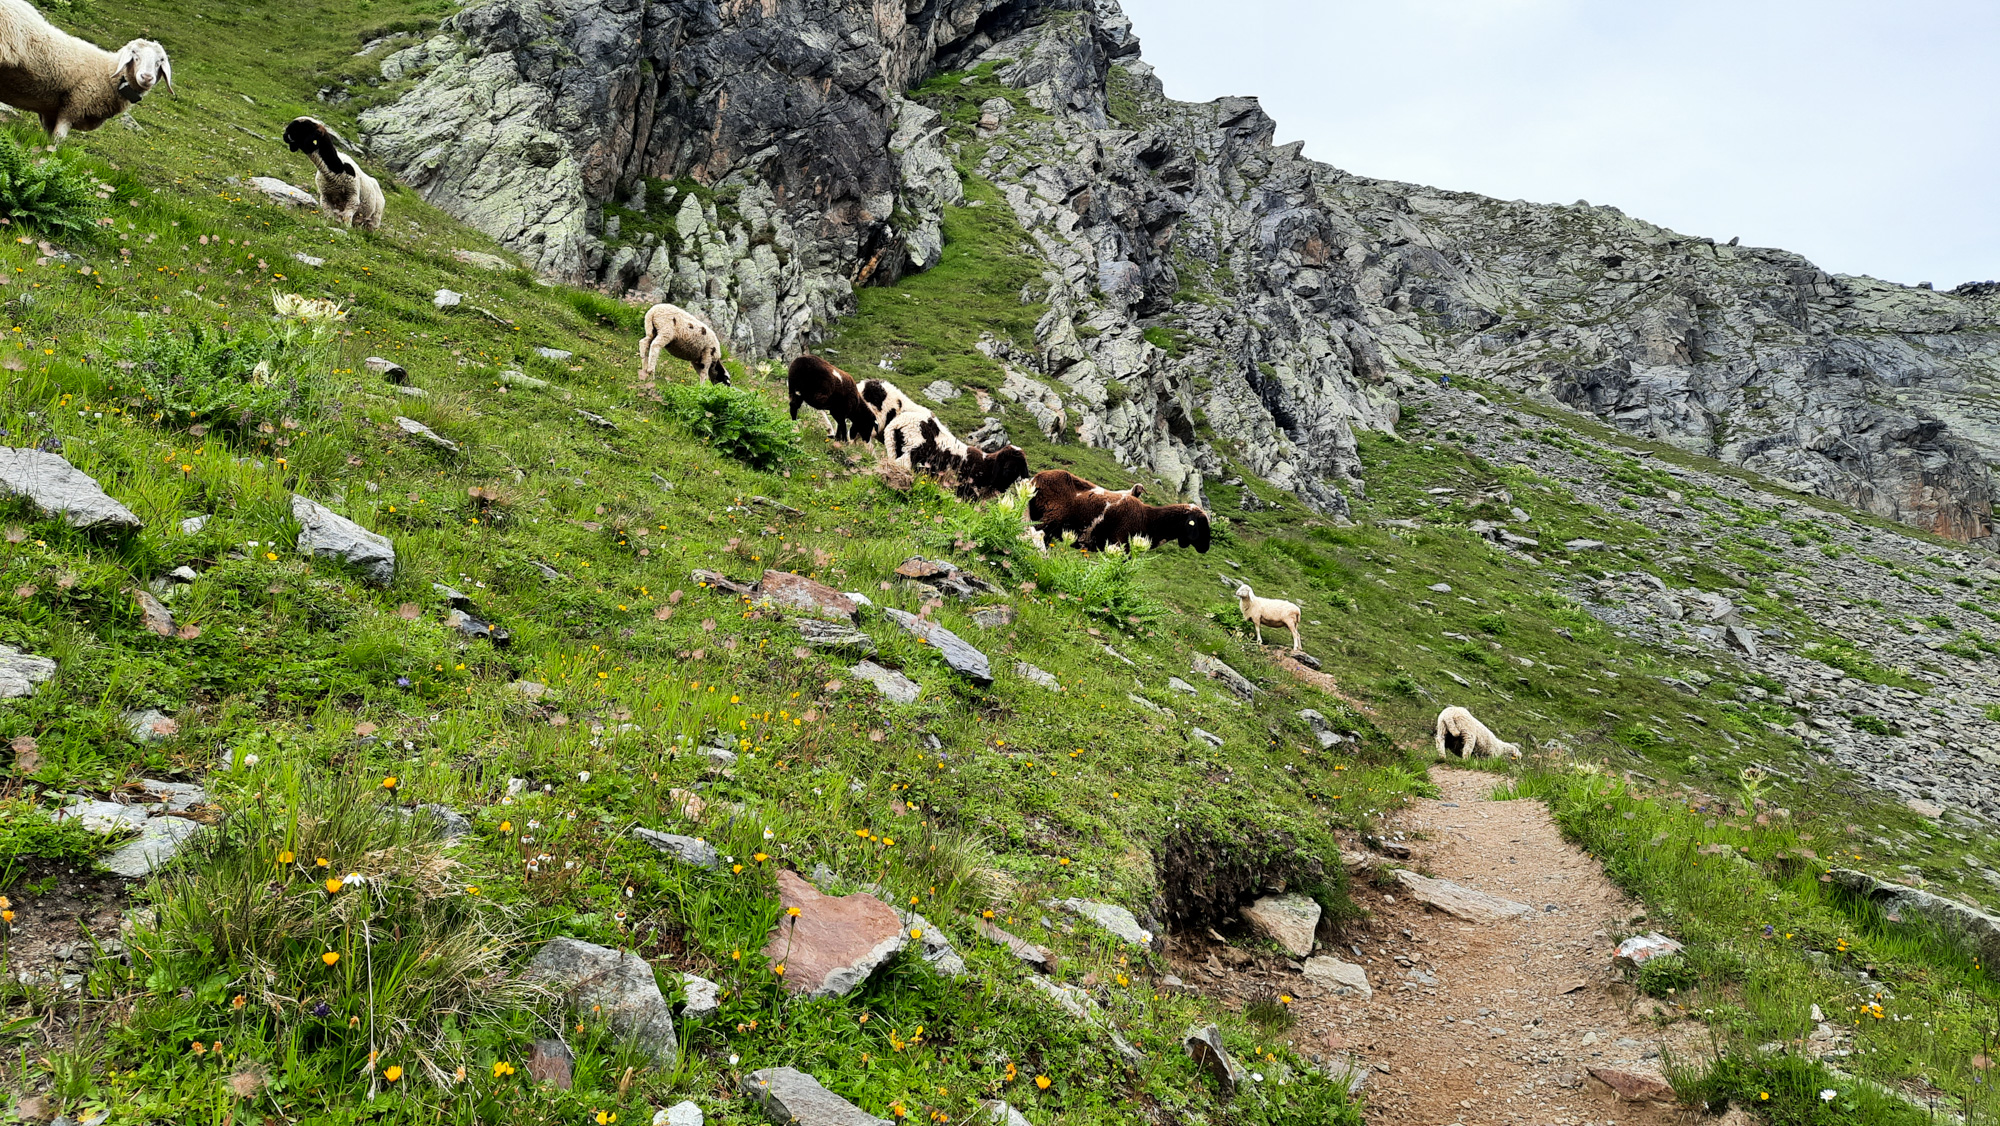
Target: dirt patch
(1495, 1024)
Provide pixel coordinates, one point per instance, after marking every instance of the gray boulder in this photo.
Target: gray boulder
(158, 840)
(1112, 918)
(822, 634)
(58, 488)
(963, 659)
(1976, 932)
(21, 673)
(896, 687)
(1215, 669)
(616, 985)
(326, 534)
(790, 1097)
(687, 850)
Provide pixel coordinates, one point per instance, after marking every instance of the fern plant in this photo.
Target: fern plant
(737, 424)
(51, 194)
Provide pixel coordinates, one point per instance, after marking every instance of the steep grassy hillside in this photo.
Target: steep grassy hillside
(572, 511)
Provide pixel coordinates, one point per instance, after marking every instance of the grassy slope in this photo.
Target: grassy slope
(1025, 801)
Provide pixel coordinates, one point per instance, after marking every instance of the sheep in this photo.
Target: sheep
(684, 336)
(819, 384)
(70, 83)
(915, 438)
(1067, 504)
(1459, 733)
(885, 401)
(1261, 612)
(345, 191)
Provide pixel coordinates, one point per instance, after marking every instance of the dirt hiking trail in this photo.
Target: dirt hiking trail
(1514, 1022)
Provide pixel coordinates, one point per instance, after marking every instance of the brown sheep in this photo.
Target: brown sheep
(1067, 504)
(820, 385)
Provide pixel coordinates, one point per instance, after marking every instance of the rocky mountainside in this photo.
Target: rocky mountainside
(1217, 303)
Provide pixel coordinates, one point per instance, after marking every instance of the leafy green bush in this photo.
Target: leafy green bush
(51, 194)
(1105, 583)
(738, 424)
(196, 374)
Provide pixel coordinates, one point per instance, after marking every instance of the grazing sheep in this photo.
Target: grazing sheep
(917, 439)
(345, 191)
(819, 384)
(1459, 733)
(72, 84)
(1261, 612)
(684, 336)
(1066, 504)
(884, 400)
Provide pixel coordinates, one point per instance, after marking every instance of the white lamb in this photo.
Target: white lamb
(684, 336)
(1261, 612)
(345, 191)
(1459, 733)
(72, 84)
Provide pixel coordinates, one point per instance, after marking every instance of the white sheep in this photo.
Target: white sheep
(1459, 733)
(72, 84)
(1261, 612)
(345, 191)
(684, 336)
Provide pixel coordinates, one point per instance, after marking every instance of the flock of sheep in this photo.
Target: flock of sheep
(75, 85)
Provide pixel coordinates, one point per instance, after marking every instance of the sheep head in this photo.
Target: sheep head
(311, 136)
(1243, 592)
(139, 66)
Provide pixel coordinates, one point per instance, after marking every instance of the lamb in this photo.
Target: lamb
(884, 400)
(1261, 612)
(1067, 504)
(684, 336)
(345, 191)
(819, 384)
(917, 439)
(1459, 733)
(70, 83)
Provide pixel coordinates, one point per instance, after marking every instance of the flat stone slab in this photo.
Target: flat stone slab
(790, 1097)
(326, 534)
(1344, 978)
(522, 380)
(103, 816)
(944, 578)
(1975, 931)
(154, 617)
(1084, 1007)
(1046, 679)
(683, 1113)
(796, 592)
(687, 850)
(937, 950)
(835, 635)
(281, 192)
(1288, 920)
(834, 942)
(1640, 949)
(58, 488)
(21, 673)
(178, 797)
(417, 429)
(1634, 1086)
(159, 839)
(993, 617)
(617, 985)
(1019, 947)
(1460, 902)
(1214, 669)
(1113, 918)
(963, 659)
(898, 688)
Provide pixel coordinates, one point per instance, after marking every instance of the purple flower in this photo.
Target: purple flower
(402, 682)
(1769, 930)
(321, 1009)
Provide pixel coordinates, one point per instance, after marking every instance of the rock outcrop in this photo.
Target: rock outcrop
(1207, 288)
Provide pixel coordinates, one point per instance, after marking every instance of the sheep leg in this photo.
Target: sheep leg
(1296, 647)
(1259, 627)
(55, 127)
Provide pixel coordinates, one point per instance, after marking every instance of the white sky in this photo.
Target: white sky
(1864, 134)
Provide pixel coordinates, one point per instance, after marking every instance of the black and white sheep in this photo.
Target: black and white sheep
(1261, 612)
(1460, 733)
(70, 83)
(345, 191)
(917, 439)
(884, 401)
(820, 385)
(1065, 504)
(683, 336)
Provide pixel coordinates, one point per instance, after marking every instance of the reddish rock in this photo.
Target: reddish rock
(1019, 947)
(1634, 1086)
(834, 942)
(796, 592)
(550, 1061)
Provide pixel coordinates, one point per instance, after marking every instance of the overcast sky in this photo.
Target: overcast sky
(1860, 134)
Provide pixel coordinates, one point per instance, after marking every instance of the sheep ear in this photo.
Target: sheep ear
(167, 72)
